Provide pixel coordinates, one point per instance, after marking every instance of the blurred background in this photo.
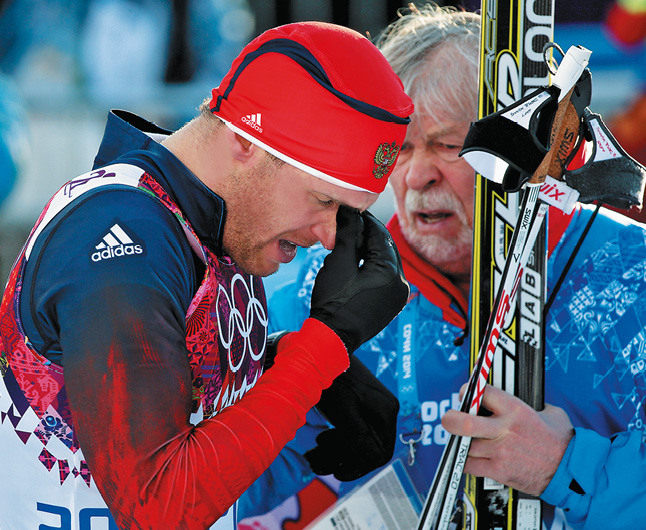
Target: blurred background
(65, 63)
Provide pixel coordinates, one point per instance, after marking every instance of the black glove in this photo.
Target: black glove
(364, 414)
(271, 348)
(358, 300)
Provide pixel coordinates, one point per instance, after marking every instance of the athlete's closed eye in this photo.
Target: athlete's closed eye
(326, 201)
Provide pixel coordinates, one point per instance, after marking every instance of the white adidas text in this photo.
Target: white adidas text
(114, 244)
(113, 252)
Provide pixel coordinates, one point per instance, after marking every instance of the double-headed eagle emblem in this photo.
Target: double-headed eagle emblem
(384, 158)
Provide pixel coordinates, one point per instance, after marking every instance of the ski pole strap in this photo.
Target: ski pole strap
(610, 175)
(505, 146)
(526, 141)
(535, 136)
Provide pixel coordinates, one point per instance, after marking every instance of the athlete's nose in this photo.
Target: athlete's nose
(325, 231)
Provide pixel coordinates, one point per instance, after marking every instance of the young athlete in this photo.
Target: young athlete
(133, 326)
(584, 453)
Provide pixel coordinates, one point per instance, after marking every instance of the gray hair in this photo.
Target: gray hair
(443, 86)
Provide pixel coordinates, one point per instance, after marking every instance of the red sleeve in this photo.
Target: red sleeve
(190, 479)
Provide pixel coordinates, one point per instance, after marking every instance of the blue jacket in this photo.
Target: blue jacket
(595, 361)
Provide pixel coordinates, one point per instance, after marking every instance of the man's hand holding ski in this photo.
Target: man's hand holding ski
(516, 445)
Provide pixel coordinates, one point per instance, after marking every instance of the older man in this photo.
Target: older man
(594, 330)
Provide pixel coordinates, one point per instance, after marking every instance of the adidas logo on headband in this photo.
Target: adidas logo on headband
(253, 121)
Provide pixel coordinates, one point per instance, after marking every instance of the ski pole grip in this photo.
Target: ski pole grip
(570, 69)
(563, 137)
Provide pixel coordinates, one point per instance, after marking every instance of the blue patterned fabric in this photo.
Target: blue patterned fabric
(595, 365)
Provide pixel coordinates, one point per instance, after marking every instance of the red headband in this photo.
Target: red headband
(320, 97)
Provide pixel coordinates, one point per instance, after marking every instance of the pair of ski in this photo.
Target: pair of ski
(563, 106)
(559, 107)
(441, 501)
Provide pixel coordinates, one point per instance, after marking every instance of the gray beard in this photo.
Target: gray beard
(447, 254)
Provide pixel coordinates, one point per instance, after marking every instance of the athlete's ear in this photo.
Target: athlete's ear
(241, 149)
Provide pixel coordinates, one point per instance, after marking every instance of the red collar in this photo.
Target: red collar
(438, 288)
(432, 284)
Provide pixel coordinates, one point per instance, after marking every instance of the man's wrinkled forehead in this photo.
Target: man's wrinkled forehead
(446, 87)
(437, 125)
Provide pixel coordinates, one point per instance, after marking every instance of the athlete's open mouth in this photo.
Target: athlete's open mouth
(288, 247)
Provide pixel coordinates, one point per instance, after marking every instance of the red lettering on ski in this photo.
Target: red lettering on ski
(500, 317)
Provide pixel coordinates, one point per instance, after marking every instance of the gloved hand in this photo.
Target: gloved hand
(357, 300)
(271, 348)
(364, 414)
